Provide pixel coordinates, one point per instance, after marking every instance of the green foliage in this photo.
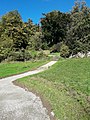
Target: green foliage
(78, 32)
(54, 27)
(35, 41)
(1, 57)
(44, 45)
(73, 29)
(20, 55)
(64, 51)
(41, 54)
(55, 48)
(17, 37)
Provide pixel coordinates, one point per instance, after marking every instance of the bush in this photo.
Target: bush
(21, 55)
(55, 48)
(64, 51)
(33, 54)
(27, 55)
(40, 55)
(46, 52)
(1, 57)
(4, 52)
(44, 46)
(16, 56)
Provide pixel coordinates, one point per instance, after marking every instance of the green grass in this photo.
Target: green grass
(66, 85)
(7, 69)
(56, 53)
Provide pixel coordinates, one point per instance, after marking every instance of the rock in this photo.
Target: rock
(78, 55)
(88, 54)
(52, 113)
(81, 55)
(26, 89)
(72, 56)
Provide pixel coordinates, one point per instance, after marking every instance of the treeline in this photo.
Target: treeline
(67, 33)
(18, 38)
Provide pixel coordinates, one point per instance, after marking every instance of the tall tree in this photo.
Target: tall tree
(54, 25)
(78, 35)
(17, 36)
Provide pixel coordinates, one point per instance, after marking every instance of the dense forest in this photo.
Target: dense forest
(67, 33)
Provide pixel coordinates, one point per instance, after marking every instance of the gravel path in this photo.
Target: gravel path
(18, 104)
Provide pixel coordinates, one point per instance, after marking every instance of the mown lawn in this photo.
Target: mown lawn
(66, 85)
(7, 69)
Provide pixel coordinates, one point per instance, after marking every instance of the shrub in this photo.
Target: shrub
(27, 55)
(4, 52)
(64, 51)
(40, 54)
(46, 52)
(1, 57)
(33, 53)
(44, 46)
(55, 48)
(17, 56)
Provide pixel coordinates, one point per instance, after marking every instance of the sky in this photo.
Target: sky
(33, 9)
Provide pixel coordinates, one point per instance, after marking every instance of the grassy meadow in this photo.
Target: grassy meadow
(11, 68)
(66, 86)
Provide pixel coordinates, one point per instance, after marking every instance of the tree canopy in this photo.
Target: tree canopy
(68, 32)
(54, 27)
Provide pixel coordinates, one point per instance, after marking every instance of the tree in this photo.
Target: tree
(54, 27)
(16, 36)
(11, 24)
(78, 33)
(12, 35)
(35, 41)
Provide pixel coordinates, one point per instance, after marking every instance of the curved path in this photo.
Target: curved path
(18, 104)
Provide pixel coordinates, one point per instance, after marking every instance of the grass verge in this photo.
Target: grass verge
(12, 68)
(66, 86)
